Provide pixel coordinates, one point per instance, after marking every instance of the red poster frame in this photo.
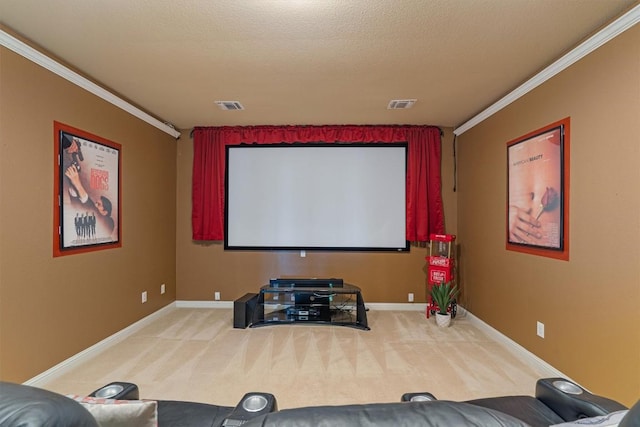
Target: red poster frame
(100, 157)
(537, 220)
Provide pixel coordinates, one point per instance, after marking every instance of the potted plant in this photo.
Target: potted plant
(443, 294)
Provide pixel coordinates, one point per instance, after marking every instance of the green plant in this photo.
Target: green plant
(442, 294)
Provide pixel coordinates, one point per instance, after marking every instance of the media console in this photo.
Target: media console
(303, 300)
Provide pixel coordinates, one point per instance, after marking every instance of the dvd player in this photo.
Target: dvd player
(313, 312)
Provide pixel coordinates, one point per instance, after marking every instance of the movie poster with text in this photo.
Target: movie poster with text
(89, 191)
(535, 191)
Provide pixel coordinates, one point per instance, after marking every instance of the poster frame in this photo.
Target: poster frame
(98, 180)
(518, 227)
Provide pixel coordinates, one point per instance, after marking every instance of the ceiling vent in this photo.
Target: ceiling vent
(401, 104)
(229, 105)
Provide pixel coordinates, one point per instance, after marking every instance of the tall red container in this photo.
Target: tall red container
(441, 261)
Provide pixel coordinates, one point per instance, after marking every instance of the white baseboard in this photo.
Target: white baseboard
(373, 306)
(204, 304)
(512, 345)
(68, 364)
(399, 306)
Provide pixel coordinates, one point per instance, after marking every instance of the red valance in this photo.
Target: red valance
(425, 212)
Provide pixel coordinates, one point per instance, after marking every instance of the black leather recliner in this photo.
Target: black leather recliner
(183, 414)
(556, 401)
(27, 406)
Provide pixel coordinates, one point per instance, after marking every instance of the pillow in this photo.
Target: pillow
(609, 420)
(121, 413)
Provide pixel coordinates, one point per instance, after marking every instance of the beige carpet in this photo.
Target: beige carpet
(197, 355)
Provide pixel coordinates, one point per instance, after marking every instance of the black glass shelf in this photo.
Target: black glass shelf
(339, 306)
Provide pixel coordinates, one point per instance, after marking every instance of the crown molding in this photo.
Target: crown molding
(55, 67)
(617, 27)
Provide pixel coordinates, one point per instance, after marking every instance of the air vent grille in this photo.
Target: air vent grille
(401, 104)
(229, 105)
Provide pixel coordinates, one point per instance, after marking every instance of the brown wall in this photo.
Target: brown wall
(52, 308)
(203, 269)
(590, 304)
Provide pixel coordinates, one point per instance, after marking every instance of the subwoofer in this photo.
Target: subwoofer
(243, 309)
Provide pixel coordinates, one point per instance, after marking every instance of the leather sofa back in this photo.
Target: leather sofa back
(425, 414)
(25, 406)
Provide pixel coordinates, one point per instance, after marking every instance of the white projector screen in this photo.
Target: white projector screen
(316, 197)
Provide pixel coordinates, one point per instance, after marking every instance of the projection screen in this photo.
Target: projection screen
(316, 197)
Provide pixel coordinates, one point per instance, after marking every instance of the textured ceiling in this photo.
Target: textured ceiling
(309, 61)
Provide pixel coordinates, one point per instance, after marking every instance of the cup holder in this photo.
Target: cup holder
(567, 387)
(109, 391)
(254, 403)
(421, 398)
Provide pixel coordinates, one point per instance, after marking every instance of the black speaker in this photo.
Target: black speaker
(418, 397)
(250, 406)
(243, 309)
(118, 390)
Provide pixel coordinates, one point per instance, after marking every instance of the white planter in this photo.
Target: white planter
(443, 320)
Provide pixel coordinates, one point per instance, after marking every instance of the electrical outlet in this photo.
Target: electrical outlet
(144, 296)
(410, 297)
(540, 329)
(217, 296)
(162, 289)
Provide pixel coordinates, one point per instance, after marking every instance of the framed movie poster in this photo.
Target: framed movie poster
(87, 200)
(538, 192)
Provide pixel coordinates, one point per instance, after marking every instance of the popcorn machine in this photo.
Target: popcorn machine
(440, 267)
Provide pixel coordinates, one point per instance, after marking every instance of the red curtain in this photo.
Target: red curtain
(425, 213)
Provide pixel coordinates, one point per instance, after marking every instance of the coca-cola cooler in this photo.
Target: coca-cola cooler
(440, 267)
